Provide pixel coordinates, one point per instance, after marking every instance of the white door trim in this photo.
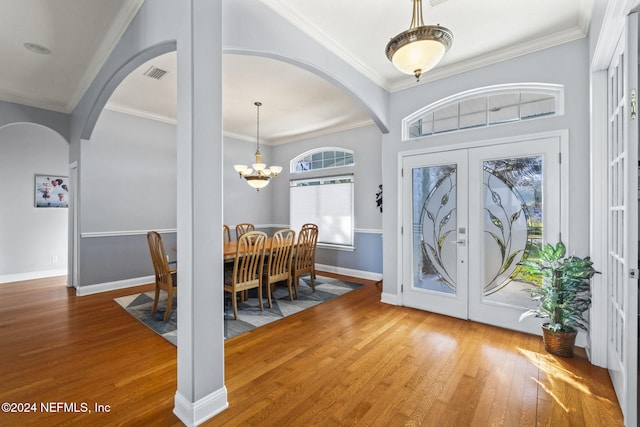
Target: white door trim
(74, 228)
(612, 27)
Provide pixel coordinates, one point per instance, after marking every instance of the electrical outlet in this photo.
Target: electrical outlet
(54, 259)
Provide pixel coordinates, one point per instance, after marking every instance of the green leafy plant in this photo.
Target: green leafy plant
(562, 287)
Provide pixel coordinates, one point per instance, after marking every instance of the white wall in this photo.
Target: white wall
(29, 236)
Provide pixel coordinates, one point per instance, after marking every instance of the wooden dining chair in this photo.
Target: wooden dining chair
(304, 258)
(314, 230)
(243, 228)
(226, 232)
(247, 267)
(165, 276)
(278, 266)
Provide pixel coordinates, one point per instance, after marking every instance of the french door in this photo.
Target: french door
(622, 248)
(469, 217)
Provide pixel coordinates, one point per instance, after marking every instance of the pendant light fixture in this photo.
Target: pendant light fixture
(259, 176)
(421, 47)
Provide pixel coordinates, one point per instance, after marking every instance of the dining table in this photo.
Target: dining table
(229, 248)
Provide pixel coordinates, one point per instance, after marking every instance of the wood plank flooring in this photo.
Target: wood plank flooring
(349, 361)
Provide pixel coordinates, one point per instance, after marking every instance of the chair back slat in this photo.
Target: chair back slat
(159, 260)
(226, 231)
(280, 255)
(305, 257)
(249, 259)
(306, 248)
(242, 228)
(165, 277)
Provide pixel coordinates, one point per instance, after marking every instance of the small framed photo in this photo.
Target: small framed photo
(52, 191)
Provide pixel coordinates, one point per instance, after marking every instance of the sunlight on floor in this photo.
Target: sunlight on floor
(557, 378)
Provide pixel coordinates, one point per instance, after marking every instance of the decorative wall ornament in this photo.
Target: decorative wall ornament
(51, 191)
(379, 198)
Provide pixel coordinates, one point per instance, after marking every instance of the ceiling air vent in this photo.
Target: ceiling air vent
(155, 73)
(436, 2)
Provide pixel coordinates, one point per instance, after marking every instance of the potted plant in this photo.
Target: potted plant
(562, 289)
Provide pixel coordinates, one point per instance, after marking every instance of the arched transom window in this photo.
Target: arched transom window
(485, 106)
(322, 158)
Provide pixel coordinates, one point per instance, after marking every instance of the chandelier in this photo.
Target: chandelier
(259, 175)
(421, 47)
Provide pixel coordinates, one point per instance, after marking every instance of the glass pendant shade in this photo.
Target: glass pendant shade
(257, 181)
(420, 55)
(275, 170)
(421, 47)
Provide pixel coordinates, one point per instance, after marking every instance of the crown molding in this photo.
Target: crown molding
(493, 57)
(613, 24)
(139, 113)
(109, 42)
(31, 102)
(268, 142)
(320, 132)
(313, 31)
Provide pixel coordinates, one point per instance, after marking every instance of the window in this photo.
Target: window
(322, 158)
(486, 106)
(327, 202)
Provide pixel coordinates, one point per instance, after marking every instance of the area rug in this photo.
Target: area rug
(249, 314)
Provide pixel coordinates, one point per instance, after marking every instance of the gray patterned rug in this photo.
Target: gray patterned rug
(249, 314)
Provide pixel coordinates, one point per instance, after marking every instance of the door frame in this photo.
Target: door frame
(562, 135)
(612, 27)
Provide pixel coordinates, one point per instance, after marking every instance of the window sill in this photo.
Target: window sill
(336, 247)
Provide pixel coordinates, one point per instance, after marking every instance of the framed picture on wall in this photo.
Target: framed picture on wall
(52, 191)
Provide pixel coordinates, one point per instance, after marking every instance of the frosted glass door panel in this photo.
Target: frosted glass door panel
(434, 204)
(434, 218)
(512, 210)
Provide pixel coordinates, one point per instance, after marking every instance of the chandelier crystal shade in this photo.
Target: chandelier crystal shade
(421, 47)
(259, 175)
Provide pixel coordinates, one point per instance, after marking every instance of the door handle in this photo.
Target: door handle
(459, 242)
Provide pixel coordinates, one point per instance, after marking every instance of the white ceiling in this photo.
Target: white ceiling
(80, 34)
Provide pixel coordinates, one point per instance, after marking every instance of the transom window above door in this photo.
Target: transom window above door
(322, 158)
(487, 106)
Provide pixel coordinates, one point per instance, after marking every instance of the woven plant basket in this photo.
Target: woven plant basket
(559, 343)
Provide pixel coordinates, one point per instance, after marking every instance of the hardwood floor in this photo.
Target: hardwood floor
(349, 361)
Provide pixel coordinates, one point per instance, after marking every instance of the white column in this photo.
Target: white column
(201, 392)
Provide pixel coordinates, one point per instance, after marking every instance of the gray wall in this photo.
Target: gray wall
(128, 175)
(29, 236)
(241, 202)
(566, 64)
(249, 27)
(16, 113)
(366, 145)
(128, 178)
(129, 187)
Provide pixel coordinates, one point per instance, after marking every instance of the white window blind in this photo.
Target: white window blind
(327, 202)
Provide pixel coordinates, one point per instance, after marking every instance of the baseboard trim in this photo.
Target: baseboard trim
(349, 272)
(112, 286)
(388, 298)
(195, 413)
(19, 277)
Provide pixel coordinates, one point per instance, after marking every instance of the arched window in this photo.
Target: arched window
(485, 106)
(322, 158)
(324, 199)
